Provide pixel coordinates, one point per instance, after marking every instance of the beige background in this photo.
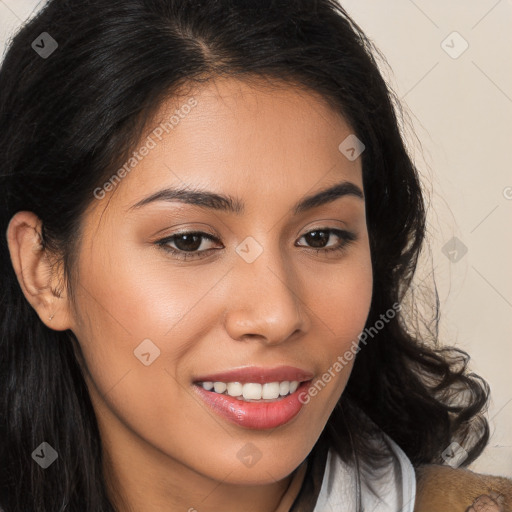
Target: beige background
(461, 111)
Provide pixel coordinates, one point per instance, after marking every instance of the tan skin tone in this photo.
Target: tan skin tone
(292, 305)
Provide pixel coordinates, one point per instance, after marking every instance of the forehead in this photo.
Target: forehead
(240, 138)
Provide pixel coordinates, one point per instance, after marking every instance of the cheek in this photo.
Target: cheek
(139, 323)
(124, 303)
(340, 296)
(341, 307)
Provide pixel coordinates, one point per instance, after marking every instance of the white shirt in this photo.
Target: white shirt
(395, 485)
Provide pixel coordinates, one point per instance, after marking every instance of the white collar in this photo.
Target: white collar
(396, 485)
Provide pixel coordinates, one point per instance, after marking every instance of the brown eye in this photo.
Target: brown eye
(186, 244)
(318, 239)
(188, 241)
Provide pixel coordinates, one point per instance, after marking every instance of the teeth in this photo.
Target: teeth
(270, 390)
(284, 387)
(235, 389)
(219, 387)
(252, 390)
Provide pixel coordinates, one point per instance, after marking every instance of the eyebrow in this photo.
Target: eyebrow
(227, 203)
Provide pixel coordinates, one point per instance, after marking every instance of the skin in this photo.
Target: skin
(164, 448)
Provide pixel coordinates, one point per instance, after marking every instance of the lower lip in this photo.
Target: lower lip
(255, 415)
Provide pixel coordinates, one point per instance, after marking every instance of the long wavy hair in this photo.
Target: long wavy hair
(69, 120)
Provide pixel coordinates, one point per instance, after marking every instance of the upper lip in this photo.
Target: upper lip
(258, 374)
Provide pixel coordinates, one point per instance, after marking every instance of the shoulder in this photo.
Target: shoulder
(443, 488)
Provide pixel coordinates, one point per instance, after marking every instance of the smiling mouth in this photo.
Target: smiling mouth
(251, 413)
(251, 391)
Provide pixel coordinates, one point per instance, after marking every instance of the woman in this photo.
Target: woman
(210, 224)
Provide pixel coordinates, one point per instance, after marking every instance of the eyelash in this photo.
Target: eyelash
(347, 238)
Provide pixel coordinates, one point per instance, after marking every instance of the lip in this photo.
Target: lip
(258, 375)
(254, 415)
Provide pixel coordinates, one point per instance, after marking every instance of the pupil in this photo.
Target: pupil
(192, 242)
(324, 236)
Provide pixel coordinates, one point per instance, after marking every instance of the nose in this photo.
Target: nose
(265, 301)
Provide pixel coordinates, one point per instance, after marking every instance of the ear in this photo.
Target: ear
(41, 283)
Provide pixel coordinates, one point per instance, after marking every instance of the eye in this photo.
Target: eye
(187, 244)
(319, 238)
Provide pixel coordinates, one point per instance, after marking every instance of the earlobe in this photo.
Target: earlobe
(34, 271)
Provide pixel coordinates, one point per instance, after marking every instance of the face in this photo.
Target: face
(263, 284)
